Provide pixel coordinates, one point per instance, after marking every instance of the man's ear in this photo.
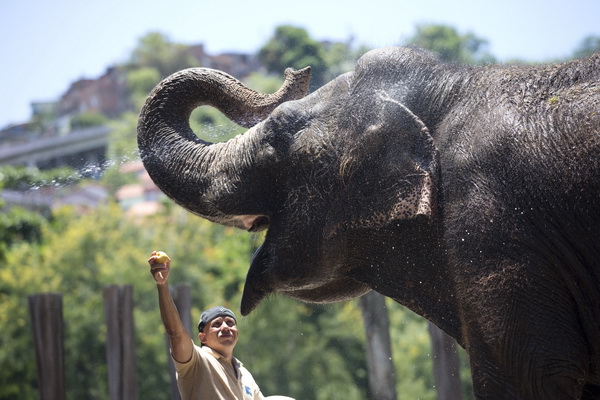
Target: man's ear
(202, 337)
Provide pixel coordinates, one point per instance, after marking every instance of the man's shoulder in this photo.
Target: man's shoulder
(205, 350)
(196, 355)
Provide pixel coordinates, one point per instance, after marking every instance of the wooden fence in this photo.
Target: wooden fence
(120, 342)
(48, 337)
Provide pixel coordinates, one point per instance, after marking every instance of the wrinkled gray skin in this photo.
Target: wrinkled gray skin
(470, 195)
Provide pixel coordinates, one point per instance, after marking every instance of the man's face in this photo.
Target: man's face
(220, 334)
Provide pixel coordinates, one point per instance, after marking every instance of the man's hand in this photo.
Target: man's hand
(159, 270)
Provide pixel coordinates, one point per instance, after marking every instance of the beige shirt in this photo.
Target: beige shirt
(207, 376)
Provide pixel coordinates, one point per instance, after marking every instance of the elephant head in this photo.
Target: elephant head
(319, 172)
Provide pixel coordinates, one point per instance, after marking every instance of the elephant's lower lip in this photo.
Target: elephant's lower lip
(260, 224)
(255, 289)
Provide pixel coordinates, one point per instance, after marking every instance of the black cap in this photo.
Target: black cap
(213, 313)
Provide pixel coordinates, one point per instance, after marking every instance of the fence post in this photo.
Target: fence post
(183, 301)
(381, 370)
(446, 364)
(48, 337)
(120, 342)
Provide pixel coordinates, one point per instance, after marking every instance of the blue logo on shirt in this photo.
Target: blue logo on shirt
(248, 391)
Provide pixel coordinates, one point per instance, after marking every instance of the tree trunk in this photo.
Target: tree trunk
(382, 374)
(446, 369)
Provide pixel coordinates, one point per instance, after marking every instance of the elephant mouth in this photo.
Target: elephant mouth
(251, 223)
(265, 277)
(259, 224)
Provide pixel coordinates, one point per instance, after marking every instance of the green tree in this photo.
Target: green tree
(306, 351)
(122, 144)
(340, 58)
(140, 82)
(23, 178)
(450, 45)
(292, 46)
(587, 47)
(156, 50)
(88, 119)
(411, 349)
(16, 223)
(44, 119)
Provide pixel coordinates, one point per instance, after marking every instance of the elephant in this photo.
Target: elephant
(469, 194)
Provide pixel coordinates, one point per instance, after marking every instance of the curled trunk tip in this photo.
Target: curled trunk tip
(196, 174)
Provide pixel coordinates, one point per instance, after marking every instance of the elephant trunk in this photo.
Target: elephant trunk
(212, 180)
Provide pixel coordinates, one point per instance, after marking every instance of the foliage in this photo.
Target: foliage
(587, 47)
(122, 144)
(293, 47)
(18, 224)
(140, 82)
(156, 50)
(44, 118)
(341, 58)
(22, 178)
(320, 357)
(211, 125)
(411, 349)
(264, 83)
(450, 45)
(88, 119)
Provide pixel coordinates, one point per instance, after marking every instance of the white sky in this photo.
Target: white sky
(47, 44)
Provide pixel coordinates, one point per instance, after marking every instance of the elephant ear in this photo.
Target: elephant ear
(391, 172)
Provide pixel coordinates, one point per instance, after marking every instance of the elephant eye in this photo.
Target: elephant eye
(287, 119)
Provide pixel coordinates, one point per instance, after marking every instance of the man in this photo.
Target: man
(209, 372)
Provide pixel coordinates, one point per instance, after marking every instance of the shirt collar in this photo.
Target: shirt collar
(218, 355)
